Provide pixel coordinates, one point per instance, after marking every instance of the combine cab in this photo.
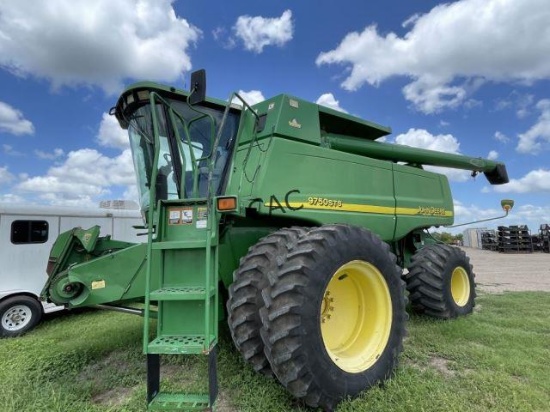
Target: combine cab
(302, 216)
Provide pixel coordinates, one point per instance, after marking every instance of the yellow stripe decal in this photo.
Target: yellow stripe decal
(382, 210)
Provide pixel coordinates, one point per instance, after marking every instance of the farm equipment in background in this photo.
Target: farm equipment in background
(302, 216)
(80, 254)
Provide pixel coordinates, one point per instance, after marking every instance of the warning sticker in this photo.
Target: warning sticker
(202, 217)
(98, 284)
(180, 216)
(187, 216)
(174, 217)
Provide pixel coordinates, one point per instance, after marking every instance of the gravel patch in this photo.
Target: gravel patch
(501, 272)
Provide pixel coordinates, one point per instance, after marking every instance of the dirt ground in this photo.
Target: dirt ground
(499, 272)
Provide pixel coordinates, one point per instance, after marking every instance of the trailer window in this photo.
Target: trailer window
(29, 231)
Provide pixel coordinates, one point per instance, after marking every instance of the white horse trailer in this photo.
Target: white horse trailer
(27, 234)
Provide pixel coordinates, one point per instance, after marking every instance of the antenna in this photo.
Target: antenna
(507, 205)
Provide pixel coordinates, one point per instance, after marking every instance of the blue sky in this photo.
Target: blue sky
(470, 77)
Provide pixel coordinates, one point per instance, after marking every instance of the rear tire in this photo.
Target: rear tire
(334, 320)
(18, 315)
(441, 282)
(245, 293)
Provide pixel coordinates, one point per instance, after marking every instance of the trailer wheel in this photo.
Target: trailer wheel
(245, 293)
(334, 320)
(18, 315)
(441, 282)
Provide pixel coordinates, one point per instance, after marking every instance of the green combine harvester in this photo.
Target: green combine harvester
(286, 218)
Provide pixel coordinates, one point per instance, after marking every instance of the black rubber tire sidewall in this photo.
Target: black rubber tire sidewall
(245, 293)
(429, 281)
(292, 335)
(36, 314)
(325, 369)
(455, 260)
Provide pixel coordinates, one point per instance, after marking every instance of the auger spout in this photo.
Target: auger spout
(494, 171)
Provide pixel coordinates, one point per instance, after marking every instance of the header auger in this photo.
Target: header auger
(302, 216)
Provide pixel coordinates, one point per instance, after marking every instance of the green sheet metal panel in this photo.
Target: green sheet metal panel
(297, 181)
(423, 199)
(111, 278)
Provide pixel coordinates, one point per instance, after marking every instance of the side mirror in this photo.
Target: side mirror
(198, 87)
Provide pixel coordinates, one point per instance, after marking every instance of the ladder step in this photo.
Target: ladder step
(180, 345)
(180, 293)
(180, 402)
(180, 244)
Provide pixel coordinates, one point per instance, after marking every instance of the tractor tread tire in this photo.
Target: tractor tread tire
(428, 281)
(289, 328)
(245, 293)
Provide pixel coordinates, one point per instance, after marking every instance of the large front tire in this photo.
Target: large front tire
(18, 315)
(441, 282)
(245, 294)
(335, 315)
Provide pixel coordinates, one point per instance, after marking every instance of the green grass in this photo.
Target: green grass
(497, 359)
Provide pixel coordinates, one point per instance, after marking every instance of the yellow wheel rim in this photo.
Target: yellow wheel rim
(356, 316)
(460, 286)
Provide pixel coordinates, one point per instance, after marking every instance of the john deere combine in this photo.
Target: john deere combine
(300, 214)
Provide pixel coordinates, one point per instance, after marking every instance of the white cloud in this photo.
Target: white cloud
(501, 137)
(472, 104)
(131, 193)
(68, 199)
(442, 143)
(431, 95)
(537, 137)
(328, 100)
(5, 175)
(111, 134)
(523, 105)
(517, 101)
(425, 140)
(536, 181)
(531, 215)
(99, 42)
(506, 42)
(411, 20)
(471, 212)
(251, 97)
(493, 155)
(49, 156)
(502, 104)
(258, 32)
(12, 120)
(85, 176)
(10, 151)
(221, 36)
(11, 198)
